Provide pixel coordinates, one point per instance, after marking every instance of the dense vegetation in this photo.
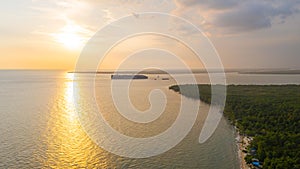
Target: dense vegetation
(271, 114)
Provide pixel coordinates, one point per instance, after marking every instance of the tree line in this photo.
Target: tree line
(269, 113)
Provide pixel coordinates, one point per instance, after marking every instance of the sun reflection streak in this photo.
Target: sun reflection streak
(68, 146)
(70, 76)
(69, 98)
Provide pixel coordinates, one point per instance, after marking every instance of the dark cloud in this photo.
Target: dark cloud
(240, 16)
(215, 4)
(248, 16)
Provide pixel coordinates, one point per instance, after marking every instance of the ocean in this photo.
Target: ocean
(40, 126)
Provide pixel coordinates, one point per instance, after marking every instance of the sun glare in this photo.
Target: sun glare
(72, 36)
(70, 40)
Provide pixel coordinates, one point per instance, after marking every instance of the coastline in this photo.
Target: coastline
(242, 142)
(249, 105)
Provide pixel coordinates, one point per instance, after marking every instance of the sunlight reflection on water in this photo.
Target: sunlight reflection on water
(68, 146)
(40, 129)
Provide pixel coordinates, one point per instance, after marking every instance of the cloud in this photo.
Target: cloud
(57, 15)
(249, 16)
(216, 17)
(232, 16)
(214, 4)
(94, 14)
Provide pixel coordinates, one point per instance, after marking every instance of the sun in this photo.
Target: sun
(72, 36)
(70, 40)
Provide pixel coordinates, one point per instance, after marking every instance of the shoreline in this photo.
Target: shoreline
(242, 142)
(249, 105)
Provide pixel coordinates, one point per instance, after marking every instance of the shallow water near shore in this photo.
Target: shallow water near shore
(39, 127)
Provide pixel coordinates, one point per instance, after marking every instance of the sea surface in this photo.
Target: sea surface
(40, 126)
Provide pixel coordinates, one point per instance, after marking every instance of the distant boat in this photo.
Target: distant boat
(129, 77)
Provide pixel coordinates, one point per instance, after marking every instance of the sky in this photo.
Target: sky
(50, 34)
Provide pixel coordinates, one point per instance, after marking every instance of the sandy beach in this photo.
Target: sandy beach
(242, 143)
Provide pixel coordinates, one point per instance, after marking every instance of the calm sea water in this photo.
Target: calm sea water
(39, 127)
